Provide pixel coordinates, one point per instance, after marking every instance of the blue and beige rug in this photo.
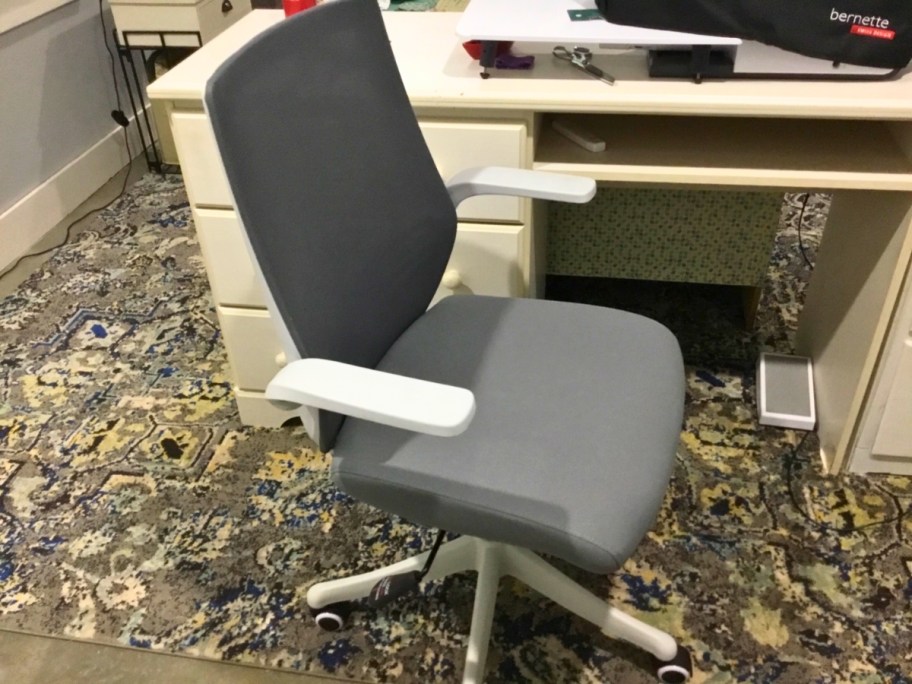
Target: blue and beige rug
(136, 509)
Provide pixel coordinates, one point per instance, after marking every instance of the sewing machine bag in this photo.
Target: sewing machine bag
(875, 33)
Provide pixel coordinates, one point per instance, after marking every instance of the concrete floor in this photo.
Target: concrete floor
(36, 659)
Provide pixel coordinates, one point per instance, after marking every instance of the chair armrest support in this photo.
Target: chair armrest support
(502, 180)
(385, 398)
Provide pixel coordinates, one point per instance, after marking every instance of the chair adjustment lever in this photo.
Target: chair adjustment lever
(393, 587)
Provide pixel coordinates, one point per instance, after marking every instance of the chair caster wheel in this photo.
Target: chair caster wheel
(332, 617)
(677, 670)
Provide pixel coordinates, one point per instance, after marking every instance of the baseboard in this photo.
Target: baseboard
(29, 219)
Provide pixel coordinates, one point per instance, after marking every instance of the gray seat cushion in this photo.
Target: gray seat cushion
(579, 413)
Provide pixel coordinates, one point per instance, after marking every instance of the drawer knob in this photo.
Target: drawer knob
(226, 6)
(280, 360)
(451, 279)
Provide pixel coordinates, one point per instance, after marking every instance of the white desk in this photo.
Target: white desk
(852, 138)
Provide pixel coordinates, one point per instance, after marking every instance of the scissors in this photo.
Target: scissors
(581, 58)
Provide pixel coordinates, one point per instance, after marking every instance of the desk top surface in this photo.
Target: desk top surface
(438, 73)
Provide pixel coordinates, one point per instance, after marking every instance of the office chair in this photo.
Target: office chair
(521, 425)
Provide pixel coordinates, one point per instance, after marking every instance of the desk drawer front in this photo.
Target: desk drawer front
(457, 146)
(894, 436)
(486, 260)
(254, 352)
(254, 409)
(201, 164)
(231, 273)
(454, 146)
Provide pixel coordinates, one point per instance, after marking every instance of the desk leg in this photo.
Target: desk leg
(488, 55)
(750, 302)
(138, 104)
(851, 300)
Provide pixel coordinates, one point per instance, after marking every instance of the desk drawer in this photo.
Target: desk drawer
(201, 165)
(486, 260)
(894, 436)
(455, 147)
(255, 409)
(155, 16)
(458, 145)
(254, 352)
(231, 273)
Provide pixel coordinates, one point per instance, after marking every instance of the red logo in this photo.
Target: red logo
(871, 32)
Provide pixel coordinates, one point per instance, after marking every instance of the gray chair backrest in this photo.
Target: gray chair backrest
(346, 213)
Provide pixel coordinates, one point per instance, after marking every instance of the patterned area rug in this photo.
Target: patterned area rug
(135, 508)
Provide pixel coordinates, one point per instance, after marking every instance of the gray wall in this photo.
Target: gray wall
(56, 95)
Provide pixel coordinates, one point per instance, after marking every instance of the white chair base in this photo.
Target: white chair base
(492, 561)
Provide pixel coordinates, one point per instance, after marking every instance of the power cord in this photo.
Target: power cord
(804, 203)
(117, 114)
(121, 119)
(69, 228)
(790, 459)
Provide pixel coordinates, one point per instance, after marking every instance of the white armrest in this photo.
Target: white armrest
(502, 180)
(386, 398)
